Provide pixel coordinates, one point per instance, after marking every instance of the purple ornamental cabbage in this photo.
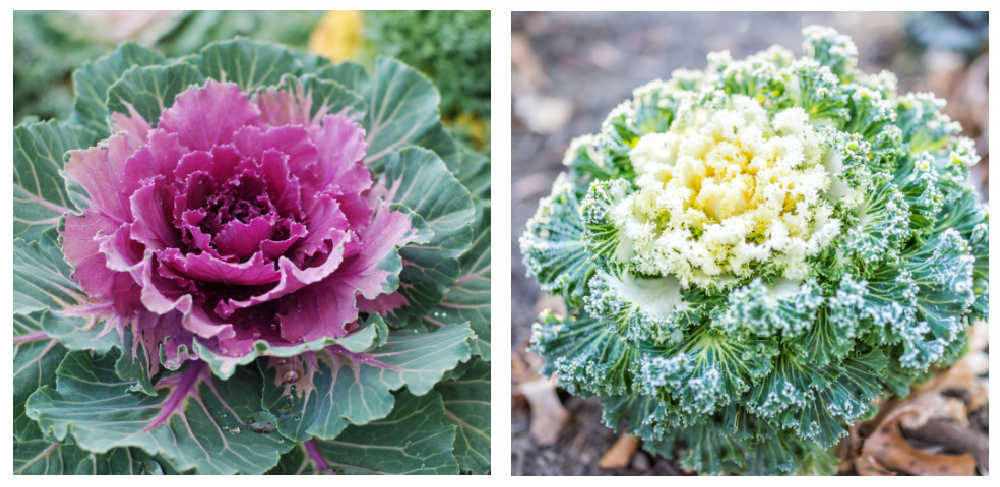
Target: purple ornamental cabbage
(236, 219)
(252, 252)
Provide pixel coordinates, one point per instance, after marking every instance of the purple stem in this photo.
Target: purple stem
(471, 276)
(316, 457)
(31, 337)
(181, 391)
(88, 308)
(361, 357)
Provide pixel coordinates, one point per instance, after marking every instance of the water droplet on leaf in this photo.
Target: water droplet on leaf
(260, 427)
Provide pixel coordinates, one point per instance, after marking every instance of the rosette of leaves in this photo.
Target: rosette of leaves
(754, 254)
(249, 260)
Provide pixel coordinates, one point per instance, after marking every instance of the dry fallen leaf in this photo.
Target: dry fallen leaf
(868, 466)
(620, 453)
(886, 450)
(954, 437)
(520, 371)
(930, 415)
(547, 414)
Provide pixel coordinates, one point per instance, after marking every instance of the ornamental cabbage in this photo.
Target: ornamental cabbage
(247, 260)
(754, 254)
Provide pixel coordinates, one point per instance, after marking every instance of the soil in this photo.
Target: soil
(590, 62)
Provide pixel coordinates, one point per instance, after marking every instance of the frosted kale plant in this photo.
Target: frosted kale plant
(249, 260)
(753, 254)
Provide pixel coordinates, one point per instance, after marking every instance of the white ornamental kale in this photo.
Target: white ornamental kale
(249, 260)
(753, 253)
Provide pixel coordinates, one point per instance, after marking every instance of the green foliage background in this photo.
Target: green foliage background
(49, 45)
(450, 46)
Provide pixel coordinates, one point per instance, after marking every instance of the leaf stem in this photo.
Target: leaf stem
(31, 337)
(187, 382)
(361, 357)
(316, 457)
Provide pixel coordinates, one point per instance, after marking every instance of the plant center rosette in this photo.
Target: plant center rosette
(233, 221)
(726, 191)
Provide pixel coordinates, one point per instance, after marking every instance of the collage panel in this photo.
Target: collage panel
(750, 243)
(251, 242)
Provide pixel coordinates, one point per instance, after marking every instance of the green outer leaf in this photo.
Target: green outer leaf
(76, 333)
(417, 179)
(554, 244)
(374, 334)
(420, 359)
(151, 89)
(224, 366)
(472, 169)
(42, 282)
(413, 439)
(327, 94)
(349, 74)
(47, 458)
(205, 424)
(335, 388)
(39, 457)
(467, 405)
(93, 80)
(402, 105)
(36, 357)
(588, 356)
(124, 461)
(41, 276)
(311, 63)
(469, 299)
(295, 462)
(250, 64)
(40, 195)
(133, 366)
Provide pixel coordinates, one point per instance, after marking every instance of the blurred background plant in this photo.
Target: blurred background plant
(49, 45)
(569, 69)
(450, 47)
